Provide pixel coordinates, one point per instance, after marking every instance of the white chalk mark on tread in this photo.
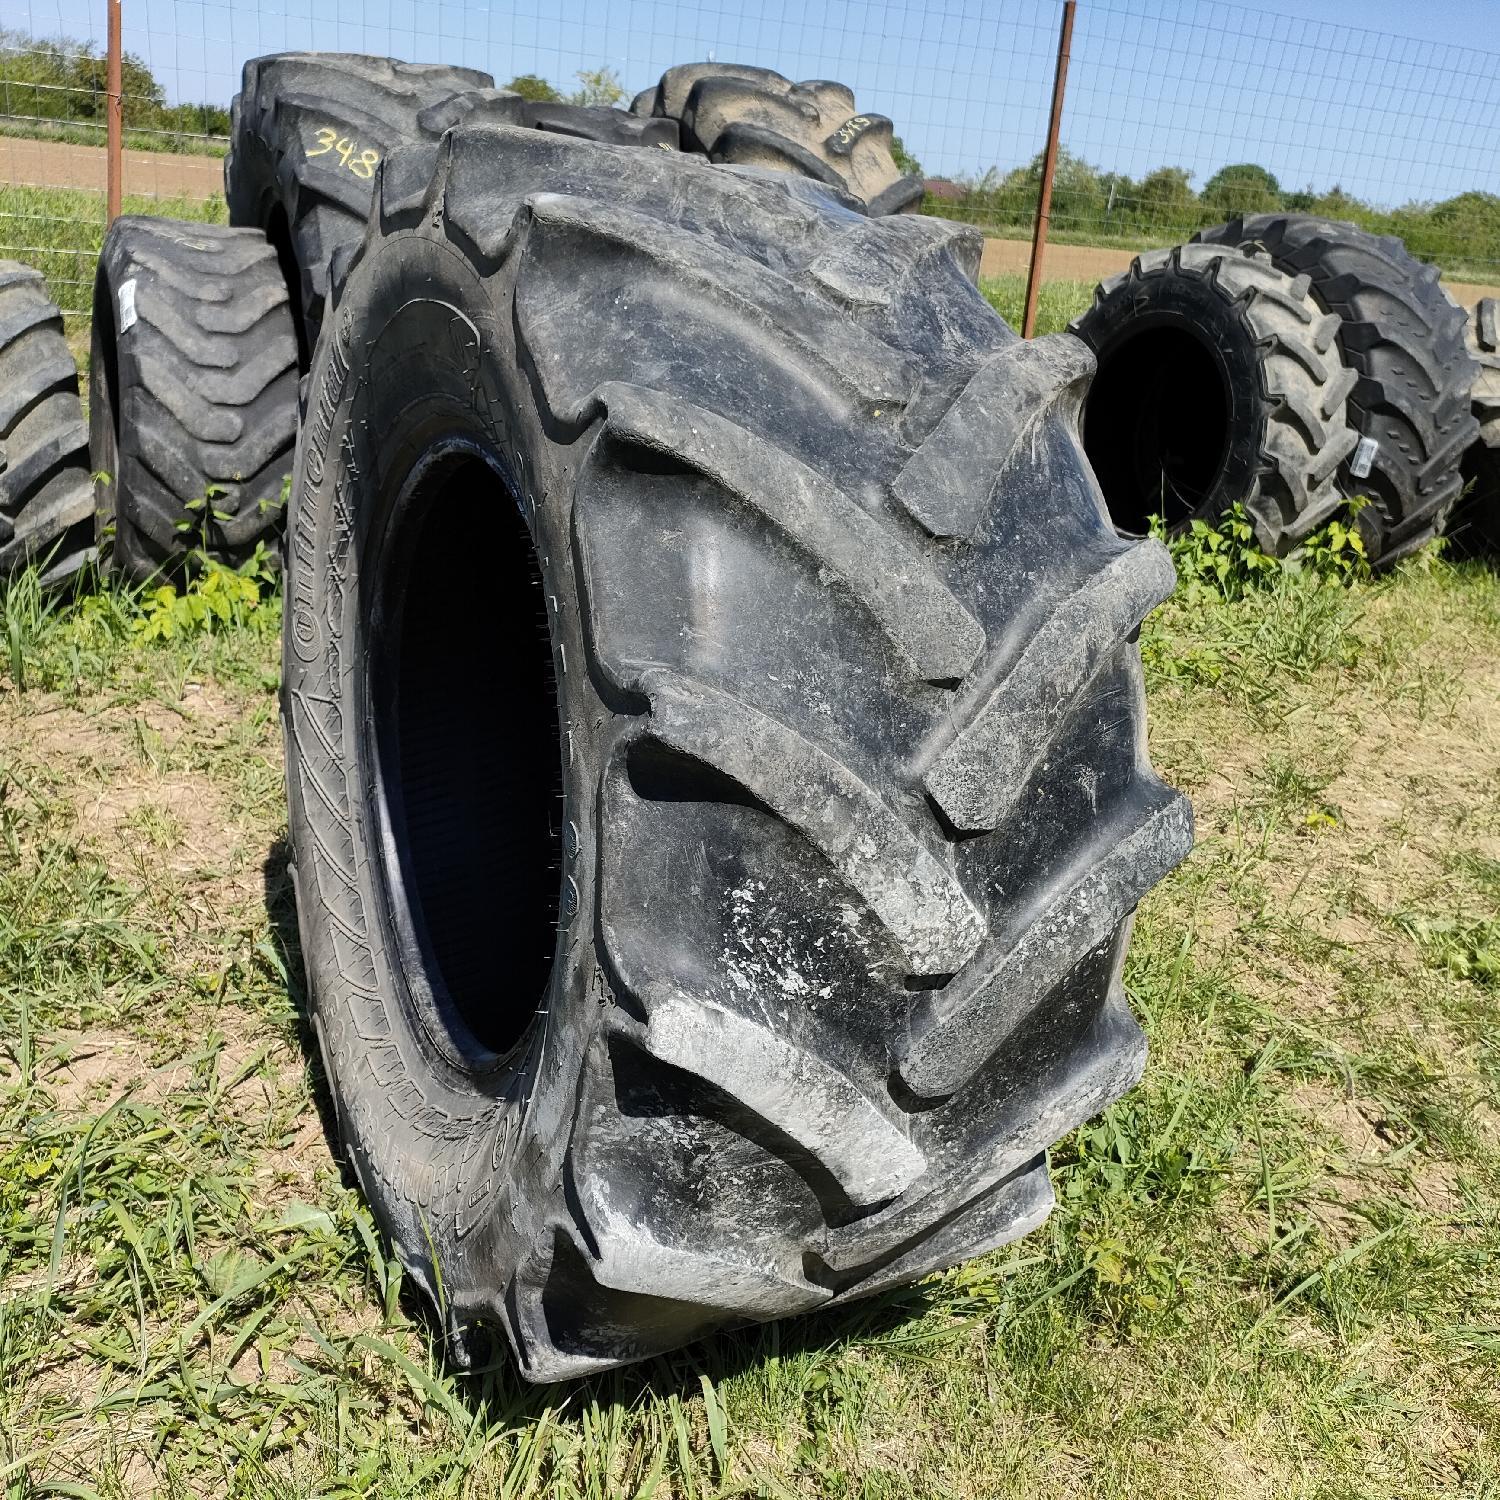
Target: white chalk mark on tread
(802, 1096)
(916, 896)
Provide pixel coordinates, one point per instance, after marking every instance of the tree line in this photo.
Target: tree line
(1091, 205)
(61, 82)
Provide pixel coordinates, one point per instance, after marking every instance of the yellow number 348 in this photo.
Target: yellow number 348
(361, 163)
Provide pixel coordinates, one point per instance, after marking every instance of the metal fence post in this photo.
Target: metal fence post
(114, 117)
(1049, 168)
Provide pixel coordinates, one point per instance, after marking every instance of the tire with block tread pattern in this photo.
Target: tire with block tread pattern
(1403, 335)
(1219, 383)
(307, 132)
(1474, 530)
(193, 393)
(719, 915)
(753, 117)
(46, 497)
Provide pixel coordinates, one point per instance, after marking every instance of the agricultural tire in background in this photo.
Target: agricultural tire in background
(717, 914)
(1219, 382)
(192, 393)
(753, 117)
(46, 498)
(1403, 335)
(307, 132)
(1474, 530)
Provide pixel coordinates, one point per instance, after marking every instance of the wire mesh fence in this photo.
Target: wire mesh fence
(1178, 113)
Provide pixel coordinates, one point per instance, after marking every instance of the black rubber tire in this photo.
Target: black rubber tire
(611, 127)
(46, 499)
(1404, 336)
(1219, 382)
(753, 117)
(718, 914)
(311, 205)
(1474, 530)
(193, 389)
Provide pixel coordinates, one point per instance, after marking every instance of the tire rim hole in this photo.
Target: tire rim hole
(464, 700)
(1156, 428)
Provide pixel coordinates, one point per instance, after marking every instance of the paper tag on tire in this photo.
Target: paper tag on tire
(1364, 457)
(127, 304)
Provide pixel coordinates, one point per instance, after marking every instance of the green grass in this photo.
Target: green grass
(1274, 1268)
(85, 133)
(1057, 303)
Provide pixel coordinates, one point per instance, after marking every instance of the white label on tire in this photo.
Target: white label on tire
(1364, 457)
(127, 304)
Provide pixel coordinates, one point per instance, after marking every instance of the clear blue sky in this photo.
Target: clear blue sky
(1393, 99)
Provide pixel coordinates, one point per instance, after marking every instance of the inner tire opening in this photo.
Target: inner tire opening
(466, 722)
(1156, 427)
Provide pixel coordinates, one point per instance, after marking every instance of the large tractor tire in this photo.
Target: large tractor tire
(192, 394)
(611, 127)
(1219, 382)
(753, 117)
(46, 500)
(717, 913)
(1403, 335)
(308, 132)
(1475, 527)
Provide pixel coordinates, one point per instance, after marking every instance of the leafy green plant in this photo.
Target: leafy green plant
(216, 597)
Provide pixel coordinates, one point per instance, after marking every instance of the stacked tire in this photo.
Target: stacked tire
(754, 117)
(46, 499)
(1300, 367)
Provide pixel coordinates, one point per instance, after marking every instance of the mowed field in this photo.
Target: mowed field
(1273, 1271)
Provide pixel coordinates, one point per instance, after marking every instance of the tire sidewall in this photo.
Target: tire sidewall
(458, 1150)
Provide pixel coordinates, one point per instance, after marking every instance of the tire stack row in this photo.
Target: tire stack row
(1304, 368)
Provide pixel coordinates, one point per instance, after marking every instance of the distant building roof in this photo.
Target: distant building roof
(945, 188)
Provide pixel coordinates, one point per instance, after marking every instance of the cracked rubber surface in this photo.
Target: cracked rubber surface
(753, 117)
(46, 496)
(1403, 335)
(768, 979)
(1219, 382)
(193, 387)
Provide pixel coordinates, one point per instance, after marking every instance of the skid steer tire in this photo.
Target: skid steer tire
(1219, 382)
(46, 500)
(307, 131)
(1474, 530)
(1403, 335)
(193, 394)
(718, 913)
(753, 117)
